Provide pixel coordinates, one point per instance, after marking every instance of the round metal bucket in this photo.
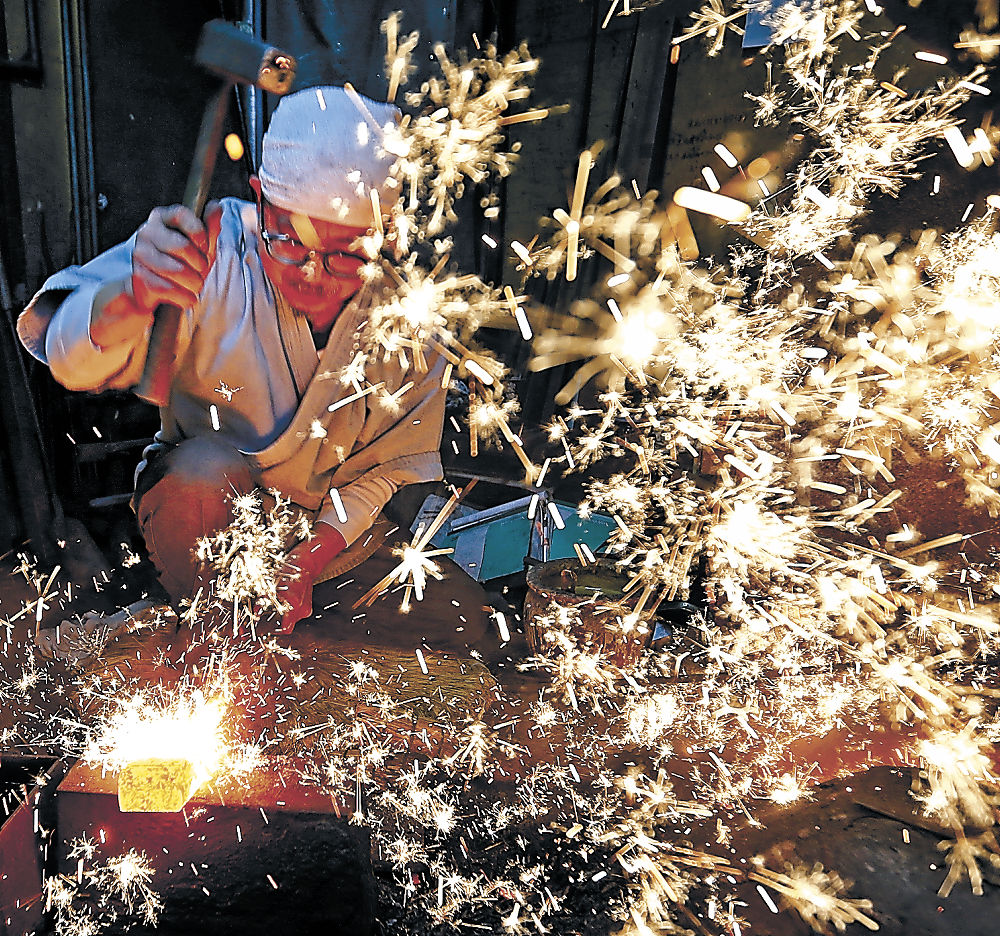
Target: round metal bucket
(602, 610)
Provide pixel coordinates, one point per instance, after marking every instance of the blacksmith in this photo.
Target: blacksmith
(275, 294)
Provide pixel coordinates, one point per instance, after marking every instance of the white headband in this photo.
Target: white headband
(323, 155)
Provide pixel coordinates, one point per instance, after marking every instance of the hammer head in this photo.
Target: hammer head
(237, 56)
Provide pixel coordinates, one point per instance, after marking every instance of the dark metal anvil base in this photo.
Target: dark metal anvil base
(27, 815)
(262, 857)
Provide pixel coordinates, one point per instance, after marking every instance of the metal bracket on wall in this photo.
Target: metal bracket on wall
(27, 69)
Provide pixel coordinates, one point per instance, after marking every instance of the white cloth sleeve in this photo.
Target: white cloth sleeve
(55, 326)
(363, 498)
(361, 502)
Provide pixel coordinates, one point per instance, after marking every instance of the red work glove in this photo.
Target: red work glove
(174, 250)
(304, 563)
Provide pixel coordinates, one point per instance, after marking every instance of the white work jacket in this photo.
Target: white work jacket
(245, 352)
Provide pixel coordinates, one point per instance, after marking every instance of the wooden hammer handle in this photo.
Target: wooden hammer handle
(161, 358)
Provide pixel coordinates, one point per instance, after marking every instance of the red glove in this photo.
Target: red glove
(304, 563)
(173, 252)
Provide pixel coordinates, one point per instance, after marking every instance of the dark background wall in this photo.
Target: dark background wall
(146, 99)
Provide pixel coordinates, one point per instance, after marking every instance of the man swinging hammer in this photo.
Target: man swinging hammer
(274, 295)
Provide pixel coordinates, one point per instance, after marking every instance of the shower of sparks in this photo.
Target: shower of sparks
(451, 139)
(749, 427)
(416, 560)
(186, 727)
(248, 556)
(816, 896)
(741, 423)
(456, 137)
(712, 22)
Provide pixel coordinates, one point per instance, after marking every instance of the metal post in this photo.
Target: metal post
(79, 129)
(254, 15)
(28, 68)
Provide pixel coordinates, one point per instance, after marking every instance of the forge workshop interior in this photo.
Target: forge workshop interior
(513, 467)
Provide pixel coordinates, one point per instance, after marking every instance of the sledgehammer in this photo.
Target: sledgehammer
(238, 58)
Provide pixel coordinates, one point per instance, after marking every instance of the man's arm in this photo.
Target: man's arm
(90, 324)
(330, 536)
(405, 452)
(361, 501)
(339, 526)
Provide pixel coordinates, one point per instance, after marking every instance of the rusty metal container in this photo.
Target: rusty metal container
(601, 608)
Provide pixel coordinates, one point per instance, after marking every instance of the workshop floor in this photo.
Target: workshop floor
(453, 634)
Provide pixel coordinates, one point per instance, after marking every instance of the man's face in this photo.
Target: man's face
(320, 286)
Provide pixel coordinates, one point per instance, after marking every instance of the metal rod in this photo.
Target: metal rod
(71, 133)
(254, 15)
(489, 514)
(79, 129)
(87, 117)
(6, 297)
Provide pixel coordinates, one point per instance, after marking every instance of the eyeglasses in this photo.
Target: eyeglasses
(286, 250)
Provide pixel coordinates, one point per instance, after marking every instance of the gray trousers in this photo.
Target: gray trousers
(182, 496)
